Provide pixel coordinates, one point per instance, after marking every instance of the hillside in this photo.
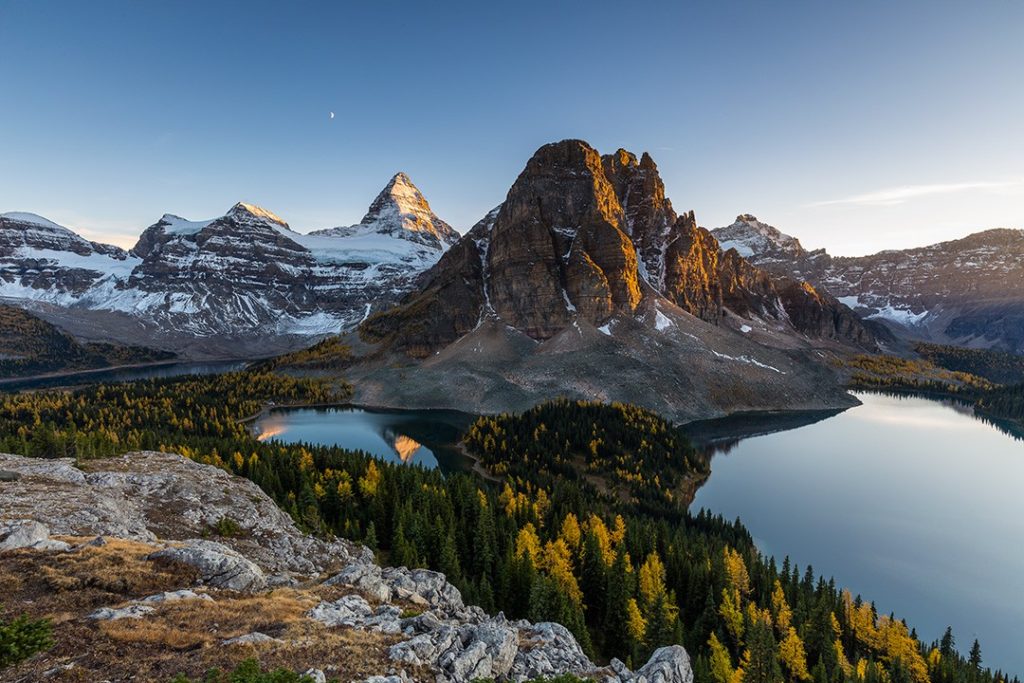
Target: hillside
(32, 346)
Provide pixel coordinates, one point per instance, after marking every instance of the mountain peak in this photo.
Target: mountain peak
(246, 211)
(32, 219)
(752, 238)
(400, 210)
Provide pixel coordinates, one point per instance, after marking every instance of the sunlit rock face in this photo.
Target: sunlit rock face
(401, 211)
(581, 237)
(558, 248)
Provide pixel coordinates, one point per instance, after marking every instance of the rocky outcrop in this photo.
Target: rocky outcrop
(421, 617)
(557, 248)
(148, 495)
(216, 564)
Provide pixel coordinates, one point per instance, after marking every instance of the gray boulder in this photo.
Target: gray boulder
(28, 533)
(218, 565)
(133, 611)
(669, 664)
(549, 650)
(253, 638)
(350, 610)
(428, 648)
(365, 577)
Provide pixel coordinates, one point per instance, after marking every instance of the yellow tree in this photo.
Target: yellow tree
(370, 482)
(651, 579)
(636, 625)
(732, 614)
(528, 543)
(570, 531)
(557, 562)
(736, 571)
(780, 610)
(721, 663)
(793, 656)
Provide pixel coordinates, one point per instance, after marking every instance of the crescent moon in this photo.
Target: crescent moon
(332, 114)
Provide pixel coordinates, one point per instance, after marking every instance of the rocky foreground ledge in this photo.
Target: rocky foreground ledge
(120, 555)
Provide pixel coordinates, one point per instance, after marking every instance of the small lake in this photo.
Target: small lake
(415, 437)
(914, 503)
(124, 374)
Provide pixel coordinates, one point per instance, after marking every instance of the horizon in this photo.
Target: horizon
(128, 242)
(134, 111)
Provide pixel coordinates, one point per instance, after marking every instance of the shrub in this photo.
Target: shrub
(227, 528)
(22, 638)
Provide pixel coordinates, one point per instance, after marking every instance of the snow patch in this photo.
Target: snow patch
(749, 360)
(661, 321)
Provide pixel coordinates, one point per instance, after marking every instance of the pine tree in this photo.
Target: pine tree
(759, 662)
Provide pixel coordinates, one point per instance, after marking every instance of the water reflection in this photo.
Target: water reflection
(428, 438)
(405, 447)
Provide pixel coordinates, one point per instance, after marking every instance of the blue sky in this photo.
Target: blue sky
(855, 126)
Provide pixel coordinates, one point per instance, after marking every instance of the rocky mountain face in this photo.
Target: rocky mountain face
(243, 275)
(121, 545)
(586, 270)
(582, 237)
(968, 291)
(42, 260)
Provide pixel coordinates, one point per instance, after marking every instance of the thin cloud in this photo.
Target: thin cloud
(902, 193)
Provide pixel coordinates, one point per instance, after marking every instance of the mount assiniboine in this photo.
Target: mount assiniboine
(241, 283)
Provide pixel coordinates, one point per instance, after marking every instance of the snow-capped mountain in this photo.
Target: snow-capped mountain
(968, 291)
(43, 261)
(400, 211)
(243, 274)
(758, 241)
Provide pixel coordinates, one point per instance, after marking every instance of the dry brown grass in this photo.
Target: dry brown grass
(191, 623)
(178, 637)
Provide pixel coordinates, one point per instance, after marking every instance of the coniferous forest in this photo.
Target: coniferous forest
(584, 522)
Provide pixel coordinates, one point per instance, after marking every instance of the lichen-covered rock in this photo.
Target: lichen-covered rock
(548, 649)
(175, 596)
(253, 638)
(24, 533)
(419, 586)
(132, 611)
(145, 495)
(428, 648)
(217, 564)
(669, 664)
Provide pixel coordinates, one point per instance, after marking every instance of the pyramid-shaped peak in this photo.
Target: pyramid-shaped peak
(245, 211)
(401, 210)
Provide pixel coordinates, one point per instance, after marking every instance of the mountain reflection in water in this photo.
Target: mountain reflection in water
(427, 438)
(406, 447)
